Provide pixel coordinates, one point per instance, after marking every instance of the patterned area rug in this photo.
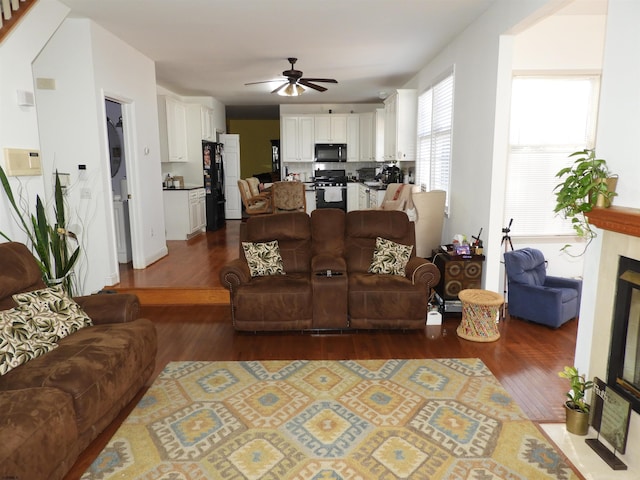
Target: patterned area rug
(328, 420)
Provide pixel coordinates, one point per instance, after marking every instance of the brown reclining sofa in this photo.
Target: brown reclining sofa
(55, 405)
(305, 298)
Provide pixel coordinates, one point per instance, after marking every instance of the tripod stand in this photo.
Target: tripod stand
(506, 241)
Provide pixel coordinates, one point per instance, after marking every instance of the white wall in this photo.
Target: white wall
(88, 64)
(618, 129)
(476, 198)
(18, 125)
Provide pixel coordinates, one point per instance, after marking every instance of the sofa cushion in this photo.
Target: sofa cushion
(263, 258)
(279, 302)
(95, 366)
(54, 312)
(390, 257)
(38, 432)
(20, 339)
(293, 232)
(364, 226)
(385, 298)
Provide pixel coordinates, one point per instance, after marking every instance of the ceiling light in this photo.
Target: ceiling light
(291, 90)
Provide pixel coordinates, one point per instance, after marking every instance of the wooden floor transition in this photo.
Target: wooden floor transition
(525, 359)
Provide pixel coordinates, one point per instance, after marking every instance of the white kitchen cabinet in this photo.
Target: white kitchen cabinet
(353, 196)
(363, 196)
(400, 135)
(310, 198)
(297, 138)
(353, 138)
(197, 211)
(366, 137)
(378, 151)
(173, 129)
(207, 124)
(184, 213)
(331, 128)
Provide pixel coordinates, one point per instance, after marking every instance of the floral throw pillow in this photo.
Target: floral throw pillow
(390, 257)
(263, 258)
(53, 312)
(20, 340)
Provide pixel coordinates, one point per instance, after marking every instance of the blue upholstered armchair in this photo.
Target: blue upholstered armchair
(536, 296)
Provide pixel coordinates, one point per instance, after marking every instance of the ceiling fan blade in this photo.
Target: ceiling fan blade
(264, 81)
(325, 80)
(280, 87)
(306, 83)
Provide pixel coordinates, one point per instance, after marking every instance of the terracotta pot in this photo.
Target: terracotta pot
(577, 421)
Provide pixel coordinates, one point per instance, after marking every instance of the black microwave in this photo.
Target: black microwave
(331, 152)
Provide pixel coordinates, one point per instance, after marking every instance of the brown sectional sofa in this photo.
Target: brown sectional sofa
(304, 298)
(55, 405)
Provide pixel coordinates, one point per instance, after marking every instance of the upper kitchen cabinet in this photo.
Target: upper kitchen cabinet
(207, 124)
(400, 110)
(367, 137)
(331, 128)
(297, 138)
(173, 129)
(353, 138)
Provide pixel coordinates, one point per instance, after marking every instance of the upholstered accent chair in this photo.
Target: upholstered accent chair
(254, 204)
(536, 296)
(254, 186)
(288, 197)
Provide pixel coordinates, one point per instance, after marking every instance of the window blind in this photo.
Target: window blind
(435, 121)
(551, 117)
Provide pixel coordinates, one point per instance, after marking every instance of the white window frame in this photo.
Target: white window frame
(434, 147)
(532, 166)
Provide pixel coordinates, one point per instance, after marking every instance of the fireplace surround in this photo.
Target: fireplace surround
(623, 372)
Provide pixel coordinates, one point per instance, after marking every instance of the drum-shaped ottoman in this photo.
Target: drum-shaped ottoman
(480, 313)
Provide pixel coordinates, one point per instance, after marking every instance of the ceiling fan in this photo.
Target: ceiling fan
(293, 86)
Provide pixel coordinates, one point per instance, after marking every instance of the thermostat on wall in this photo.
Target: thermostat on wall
(22, 162)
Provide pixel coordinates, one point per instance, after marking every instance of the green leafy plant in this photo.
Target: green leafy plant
(579, 386)
(582, 183)
(50, 243)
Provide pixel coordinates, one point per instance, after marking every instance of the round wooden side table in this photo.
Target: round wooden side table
(480, 313)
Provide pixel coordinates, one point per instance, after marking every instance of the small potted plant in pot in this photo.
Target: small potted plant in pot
(576, 408)
(587, 183)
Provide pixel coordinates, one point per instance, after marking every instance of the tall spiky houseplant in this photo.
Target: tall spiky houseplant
(50, 243)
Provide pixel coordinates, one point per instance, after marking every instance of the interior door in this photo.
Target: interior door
(233, 204)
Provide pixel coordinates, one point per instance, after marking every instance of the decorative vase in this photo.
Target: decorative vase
(577, 422)
(601, 200)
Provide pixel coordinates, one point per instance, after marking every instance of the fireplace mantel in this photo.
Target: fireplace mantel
(623, 220)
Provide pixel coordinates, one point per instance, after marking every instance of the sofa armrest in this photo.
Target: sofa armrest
(421, 271)
(323, 262)
(234, 273)
(110, 308)
(561, 282)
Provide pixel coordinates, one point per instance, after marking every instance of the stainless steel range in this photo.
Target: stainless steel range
(331, 189)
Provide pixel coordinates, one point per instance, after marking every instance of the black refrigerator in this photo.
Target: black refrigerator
(213, 170)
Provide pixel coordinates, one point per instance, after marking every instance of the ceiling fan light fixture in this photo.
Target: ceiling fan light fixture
(292, 90)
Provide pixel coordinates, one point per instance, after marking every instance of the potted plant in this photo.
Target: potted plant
(585, 184)
(576, 408)
(50, 243)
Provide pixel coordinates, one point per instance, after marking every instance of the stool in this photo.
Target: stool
(480, 310)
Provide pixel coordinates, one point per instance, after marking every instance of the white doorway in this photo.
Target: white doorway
(119, 181)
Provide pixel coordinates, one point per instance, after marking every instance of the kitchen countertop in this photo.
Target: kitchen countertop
(186, 187)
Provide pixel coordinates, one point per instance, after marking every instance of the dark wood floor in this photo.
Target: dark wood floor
(525, 359)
